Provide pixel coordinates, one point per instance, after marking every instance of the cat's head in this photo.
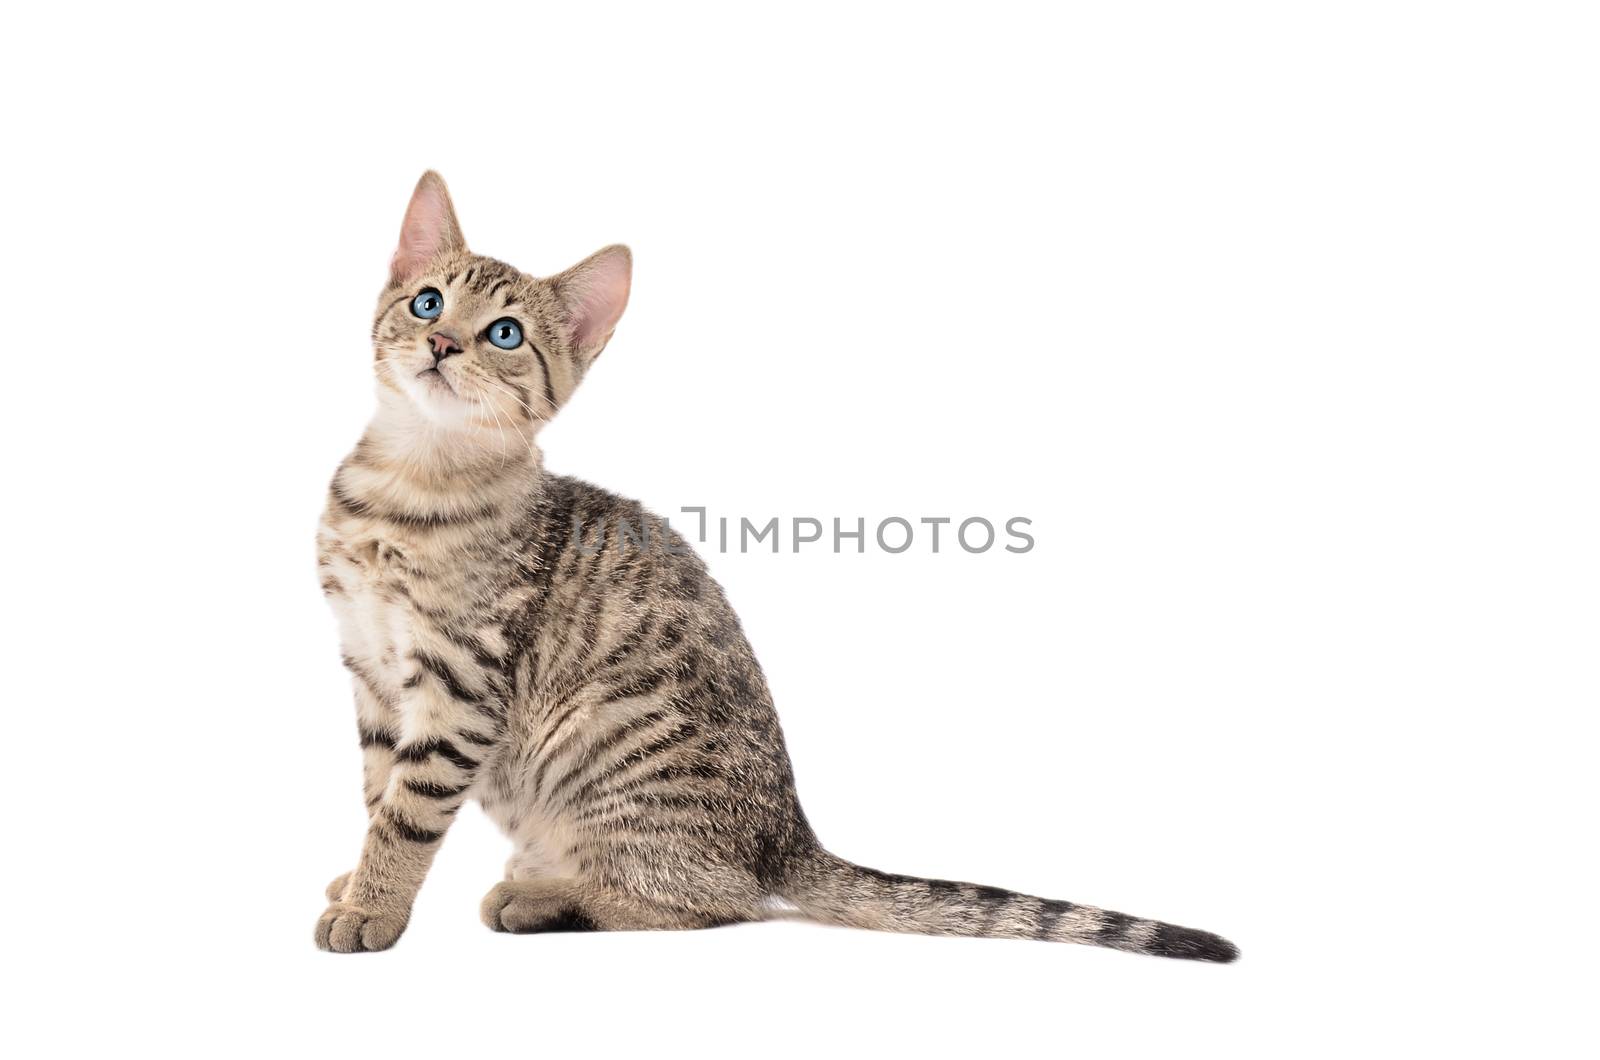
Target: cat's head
(469, 342)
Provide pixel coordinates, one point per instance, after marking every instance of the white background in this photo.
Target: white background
(1278, 320)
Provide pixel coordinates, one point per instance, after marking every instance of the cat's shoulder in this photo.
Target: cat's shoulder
(564, 493)
(584, 511)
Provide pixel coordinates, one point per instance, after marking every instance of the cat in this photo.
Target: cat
(597, 698)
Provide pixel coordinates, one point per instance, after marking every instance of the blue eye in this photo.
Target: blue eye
(506, 333)
(428, 304)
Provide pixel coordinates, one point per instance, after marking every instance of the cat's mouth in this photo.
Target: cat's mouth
(434, 377)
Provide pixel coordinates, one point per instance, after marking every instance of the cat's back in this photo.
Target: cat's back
(643, 685)
(628, 580)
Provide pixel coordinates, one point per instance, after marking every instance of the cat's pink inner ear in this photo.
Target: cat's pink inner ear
(429, 230)
(596, 293)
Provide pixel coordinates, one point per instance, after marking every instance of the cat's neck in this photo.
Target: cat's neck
(402, 452)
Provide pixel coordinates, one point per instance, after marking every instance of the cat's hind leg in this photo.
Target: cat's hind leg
(530, 906)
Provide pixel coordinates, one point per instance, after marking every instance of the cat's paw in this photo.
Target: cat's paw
(335, 889)
(346, 928)
(499, 896)
(523, 907)
(514, 907)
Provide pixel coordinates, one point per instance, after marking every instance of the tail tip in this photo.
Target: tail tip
(1192, 944)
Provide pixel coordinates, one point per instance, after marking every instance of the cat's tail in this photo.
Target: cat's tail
(834, 891)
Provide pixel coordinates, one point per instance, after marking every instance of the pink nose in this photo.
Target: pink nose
(443, 346)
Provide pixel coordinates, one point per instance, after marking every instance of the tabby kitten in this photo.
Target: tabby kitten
(597, 698)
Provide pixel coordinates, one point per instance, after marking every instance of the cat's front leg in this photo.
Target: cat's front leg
(450, 721)
(376, 721)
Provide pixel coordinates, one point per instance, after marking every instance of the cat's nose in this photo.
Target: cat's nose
(443, 346)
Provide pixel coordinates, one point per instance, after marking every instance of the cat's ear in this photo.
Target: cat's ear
(429, 230)
(594, 293)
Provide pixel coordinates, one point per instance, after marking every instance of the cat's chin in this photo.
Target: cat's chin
(436, 399)
(435, 387)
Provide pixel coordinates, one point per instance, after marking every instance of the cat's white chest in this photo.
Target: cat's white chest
(373, 608)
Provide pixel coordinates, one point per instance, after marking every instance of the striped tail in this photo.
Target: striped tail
(833, 891)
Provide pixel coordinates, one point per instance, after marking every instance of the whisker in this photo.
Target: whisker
(532, 413)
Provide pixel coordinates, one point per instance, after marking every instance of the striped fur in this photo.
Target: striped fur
(600, 702)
